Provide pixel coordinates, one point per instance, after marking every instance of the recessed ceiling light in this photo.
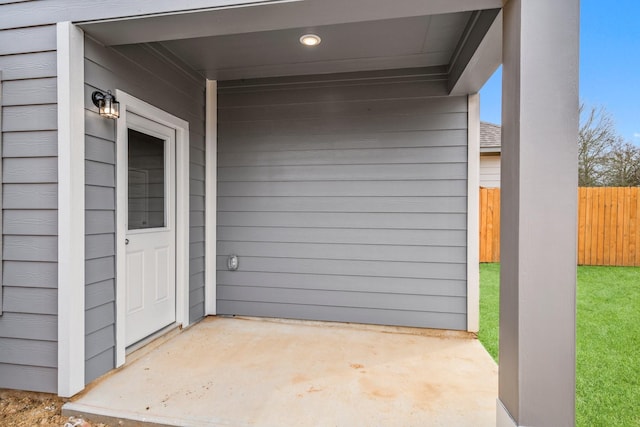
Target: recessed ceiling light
(310, 40)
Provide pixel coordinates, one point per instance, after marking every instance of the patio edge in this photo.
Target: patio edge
(107, 416)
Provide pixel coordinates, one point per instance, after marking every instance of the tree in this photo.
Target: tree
(596, 138)
(604, 157)
(622, 165)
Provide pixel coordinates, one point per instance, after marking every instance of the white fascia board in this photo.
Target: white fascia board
(211, 152)
(473, 214)
(71, 209)
(484, 62)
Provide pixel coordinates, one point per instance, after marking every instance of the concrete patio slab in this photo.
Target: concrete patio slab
(259, 372)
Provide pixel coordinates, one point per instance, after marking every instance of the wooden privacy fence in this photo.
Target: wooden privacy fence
(608, 225)
(489, 225)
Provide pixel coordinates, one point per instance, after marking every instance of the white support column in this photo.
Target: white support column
(70, 46)
(539, 213)
(211, 209)
(473, 214)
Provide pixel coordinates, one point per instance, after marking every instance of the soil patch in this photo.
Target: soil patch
(26, 409)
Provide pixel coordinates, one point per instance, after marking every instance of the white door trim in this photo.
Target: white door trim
(473, 214)
(71, 209)
(211, 208)
(129, 103)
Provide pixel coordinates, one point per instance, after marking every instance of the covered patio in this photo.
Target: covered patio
(260, 372)
(338, 184)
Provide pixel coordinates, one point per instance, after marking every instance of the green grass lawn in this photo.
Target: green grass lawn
(608, 341)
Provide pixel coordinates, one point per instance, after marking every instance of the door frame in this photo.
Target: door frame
(129, 103)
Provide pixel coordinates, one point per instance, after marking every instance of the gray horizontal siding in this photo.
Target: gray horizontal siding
(344, 201)
(382, 301)
(100, 150)
(99, 317)
(29, 352)
(95, 366)
(30, 196)
(23, 118)
(30, 222)
(29, 377)
(417, 188)
(100, 222)
(417, 254)
(30, 91)
(31, 300)
(100, 198)
(30, 144)
(27, 40)
(28, 65)
(244, 95)
(405, 285)
(400, 172)
(323, 109)
(28, 325)
(100, 341)
(100, 292)
(350, 124)
(438, 204)
(30, 248)
(349, 267)
(30, 170)
(417, 155)
(99, 269)
(30, 274)
(366, 236)
(100, 174)
(352, 141)
(422, 221)
(142, 73)
(100, 245)
(350, 314)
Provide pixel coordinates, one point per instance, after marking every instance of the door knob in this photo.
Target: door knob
(126, 241)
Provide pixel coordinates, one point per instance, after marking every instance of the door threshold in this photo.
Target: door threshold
(143, 347)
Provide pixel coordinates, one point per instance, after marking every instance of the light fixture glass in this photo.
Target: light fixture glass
(106, 103)
(310, 40)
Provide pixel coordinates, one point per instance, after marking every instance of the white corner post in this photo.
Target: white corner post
(473, 214)
(539, 213)
(70, 57)
(1, 220)
(211, 153)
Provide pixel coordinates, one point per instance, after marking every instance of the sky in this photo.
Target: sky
(609, 65)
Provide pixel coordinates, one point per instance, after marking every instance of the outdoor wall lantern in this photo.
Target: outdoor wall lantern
(106, 103)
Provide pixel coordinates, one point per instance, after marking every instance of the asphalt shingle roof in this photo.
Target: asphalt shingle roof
(490, 135)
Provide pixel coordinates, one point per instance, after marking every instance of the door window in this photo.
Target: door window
(147, 189)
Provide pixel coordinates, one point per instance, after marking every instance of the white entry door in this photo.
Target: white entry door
(150, 272)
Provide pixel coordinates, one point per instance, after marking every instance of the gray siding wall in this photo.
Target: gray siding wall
(28, 324)
(344, 200)
(148, 74)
